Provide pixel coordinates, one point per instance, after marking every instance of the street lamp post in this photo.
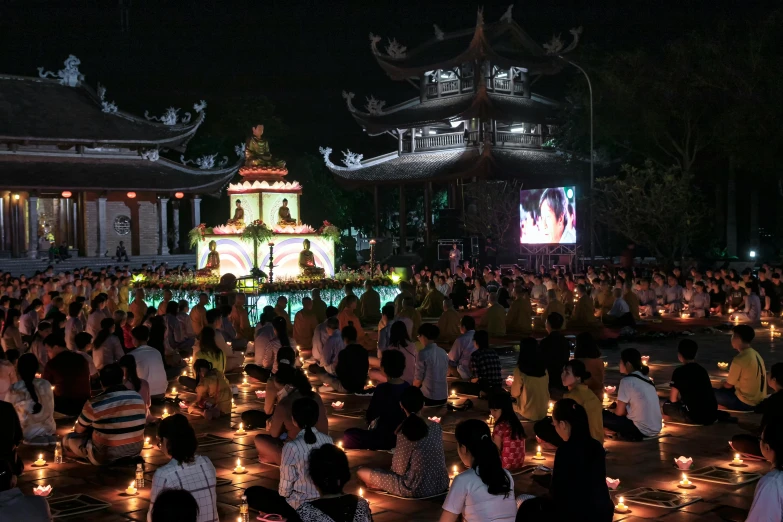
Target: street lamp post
(592, 175)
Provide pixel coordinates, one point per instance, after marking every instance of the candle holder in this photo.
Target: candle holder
(510, 380)
(338, 405)
(40, 463)
(434, 419)
(42, 491)
(538, 455)
(131, 489)
(683, 462)
(147, 444)
(606, 364)
(612, 483)
(723, 366)
(685, 483)
(738, 462)
(261, 394)
(610, 389)
(621, 507)
(645, 359)
(240, 430)
(239, 469)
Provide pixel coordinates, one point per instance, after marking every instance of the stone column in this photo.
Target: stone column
(163, 229)
(101, 227)
(175, 224)
(195, 210)
(32, 210)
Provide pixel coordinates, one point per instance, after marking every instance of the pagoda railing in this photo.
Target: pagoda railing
(440, 141)
(518, 139)
(499, 84)
(467, 84)
(456, 86)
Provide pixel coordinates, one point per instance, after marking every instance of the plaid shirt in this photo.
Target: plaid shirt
(485, 364)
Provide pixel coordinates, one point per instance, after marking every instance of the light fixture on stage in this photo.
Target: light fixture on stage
(179, 195)
(131, 195)
(66, 194)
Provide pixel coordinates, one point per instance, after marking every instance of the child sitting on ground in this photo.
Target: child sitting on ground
(691, 399)
(507, 433)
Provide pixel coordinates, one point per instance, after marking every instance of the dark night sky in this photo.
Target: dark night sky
(300, 54)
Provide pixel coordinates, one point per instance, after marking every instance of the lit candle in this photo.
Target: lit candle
(131, 489)
(184, 373)
(455, 471)
(233, 404)
(361, 492)
(551, 407)
(685, 483)
(737, 460)
(606, 364)
(610, 389)
(340, 445)
(538, 454)
(240, 430)
(369, 384)
(244, 381)
(621, 507)
(606, 397)
(453, 393)
(645, 359)
(40, 462)
(723, 365)
(174, 392)
(147, 444)
(239, 469)
(165, 413)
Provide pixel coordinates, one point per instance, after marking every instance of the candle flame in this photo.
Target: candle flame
(622, 499)
(40, 456)
(361, 492)
(132, 485)
(239, 463)
(240, 426)
(538, 449)
(736, 456)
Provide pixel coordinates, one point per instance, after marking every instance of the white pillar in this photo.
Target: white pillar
(163, 229)
(195, 210)
(101, 251)
(32, 210)
(175, 224)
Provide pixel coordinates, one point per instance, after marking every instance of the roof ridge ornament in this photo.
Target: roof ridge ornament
(374, 40)
(555, 45)
(480, 16)
(206, 162)
(395, 50)
(170, 117)
(151, 155)
(508, 17)
(439, 35)
(107, 107)
(69, 75)
(326, 152)
(374, 107)
(239, 150)
(348, 97)
(200, 106)
(352, 160)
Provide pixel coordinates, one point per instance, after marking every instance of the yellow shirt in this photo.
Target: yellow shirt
(584, 313)
(518, 318)
(592, 405)
(532, 395)
(432, 306)
(319, 307)
(748, 375)
(448, 324)
(414, 316)
(633, 304)
(552, 307)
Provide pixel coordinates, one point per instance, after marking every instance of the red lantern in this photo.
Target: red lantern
(179, 195)
(131, 195)
(66, 194)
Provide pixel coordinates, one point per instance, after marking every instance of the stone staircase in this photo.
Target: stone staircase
(28, 267)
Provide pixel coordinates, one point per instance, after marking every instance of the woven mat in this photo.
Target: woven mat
(725, 476)
(209, 439)
(660, 498)
(72, 505)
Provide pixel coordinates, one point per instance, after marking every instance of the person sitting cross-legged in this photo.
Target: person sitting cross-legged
(419, 464)
(186, 470)
(347, 373)
(432, 305)
(494, 320)
(767, 505)
(507, 432)
(33, 400)
(520, 313)
(638, 412)
(449, 322)
(620, 313)
(176, 504)
(431, 367)
(462, 349)
(771, 410)
(691, 399)
(384, 414)
(531, 381)
(296, 486)
(325, 355)
(485, 368)
(329, 472)
(746, 385)
(400, 342)
(556, 351)
(111, 425)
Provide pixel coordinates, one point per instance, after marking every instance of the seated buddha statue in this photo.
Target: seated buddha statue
(284, 215)
(257, 153)
(213, 261)
(307, 261)
(239, 216)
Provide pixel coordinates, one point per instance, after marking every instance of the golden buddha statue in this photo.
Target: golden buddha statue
(307, 261)
(257, 153)
(239, 216)
(284, 215)
(213, 261)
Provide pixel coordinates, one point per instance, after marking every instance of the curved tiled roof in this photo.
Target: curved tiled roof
(60, 172)
(44, 111)
(501, 107)
(534, 167)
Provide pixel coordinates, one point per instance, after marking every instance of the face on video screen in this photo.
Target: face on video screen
(547, 216)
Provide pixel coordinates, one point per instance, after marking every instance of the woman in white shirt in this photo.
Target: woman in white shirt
(485, 492)
(106, 347)
(638, 412)
(33, 401)
(29, 321)
(768, 500)
(185, 470)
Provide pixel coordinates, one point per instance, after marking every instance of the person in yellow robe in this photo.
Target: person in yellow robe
(632, 299)
(319, 306)
(411, 313)
(240, 320)
(348, 293)
(370, 304)
(494, 321)
(305, 323)
(604, 298)
(448, 323)
(281, 309)
(432, 305)
(584, 311)
(406, 290)
(520, 313)
(553, 305)
(348, 316)
(531, 382)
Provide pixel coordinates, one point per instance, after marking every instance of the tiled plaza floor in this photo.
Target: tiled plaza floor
(642, 464)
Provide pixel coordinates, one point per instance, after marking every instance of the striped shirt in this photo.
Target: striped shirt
(296, 486)
(197, 477)
(117, 417)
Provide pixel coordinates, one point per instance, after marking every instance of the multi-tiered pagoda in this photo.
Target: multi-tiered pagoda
(77, 171)
(475, 115)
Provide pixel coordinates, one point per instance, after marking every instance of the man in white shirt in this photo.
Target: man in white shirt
(462, 349)
(327, 361)
(149, 362)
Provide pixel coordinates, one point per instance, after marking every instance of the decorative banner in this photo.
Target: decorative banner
(251, 204)
(236, 255)
(271, 204)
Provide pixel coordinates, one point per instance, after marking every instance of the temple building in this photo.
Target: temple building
(475, 115)
(77, 171)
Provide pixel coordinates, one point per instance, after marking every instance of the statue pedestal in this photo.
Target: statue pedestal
(236, 255)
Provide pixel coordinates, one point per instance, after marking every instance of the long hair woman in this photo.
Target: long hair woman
(132, 379)
(419, 465)
(578, 490)
(531, 382)
(33, 400)
(507, 433)
(106, 348)
(12, 337)
(638, 412)
(485, 492)
(588, 352)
